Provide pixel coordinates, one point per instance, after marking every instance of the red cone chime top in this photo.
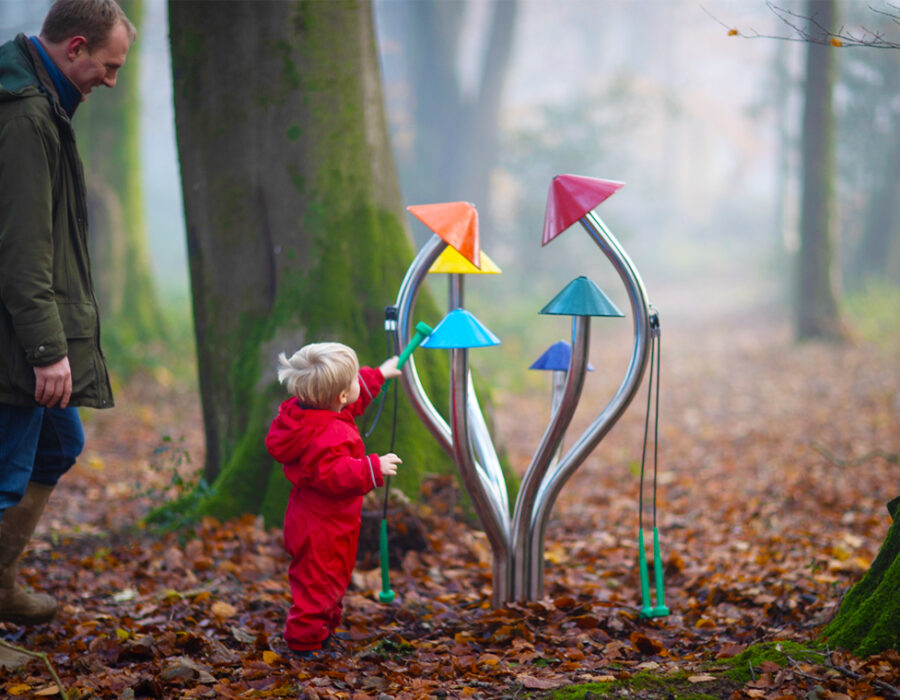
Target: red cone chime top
(570, 198)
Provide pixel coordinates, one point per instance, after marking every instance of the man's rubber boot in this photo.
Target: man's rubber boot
(16, 528)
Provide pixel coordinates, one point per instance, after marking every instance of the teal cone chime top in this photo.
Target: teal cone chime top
(581, 297)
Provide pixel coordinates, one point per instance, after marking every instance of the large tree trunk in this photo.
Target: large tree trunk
(869, 617)
(108, 125)
(816, 308)
(294, 220)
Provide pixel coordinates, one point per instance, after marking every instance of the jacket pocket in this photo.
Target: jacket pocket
(79, 321)
(19, 375)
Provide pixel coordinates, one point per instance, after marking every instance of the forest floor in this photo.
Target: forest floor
(776, 462)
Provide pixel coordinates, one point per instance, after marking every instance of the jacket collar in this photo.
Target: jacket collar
(68, 95)
(24, 75)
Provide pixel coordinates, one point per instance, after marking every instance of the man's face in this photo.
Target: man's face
(91, 67)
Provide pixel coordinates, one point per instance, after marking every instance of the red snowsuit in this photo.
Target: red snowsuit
(325, 460)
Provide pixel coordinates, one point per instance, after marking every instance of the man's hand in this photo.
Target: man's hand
(389, 368)
(389, 464)
(53, 384)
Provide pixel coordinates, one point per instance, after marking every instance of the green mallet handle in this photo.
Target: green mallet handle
(646, 609)
(386, 595)
(423, 330)
(660, 610)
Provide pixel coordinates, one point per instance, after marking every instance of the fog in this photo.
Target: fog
(652, 93)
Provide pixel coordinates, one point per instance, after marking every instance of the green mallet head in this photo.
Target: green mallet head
(423, 330)
(386, 595)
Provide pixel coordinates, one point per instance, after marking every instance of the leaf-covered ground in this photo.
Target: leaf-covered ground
(776, 462)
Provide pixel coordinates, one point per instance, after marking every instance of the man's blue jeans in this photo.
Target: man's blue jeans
(36, 444)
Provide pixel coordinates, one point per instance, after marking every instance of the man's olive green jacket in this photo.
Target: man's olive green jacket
(47, 305)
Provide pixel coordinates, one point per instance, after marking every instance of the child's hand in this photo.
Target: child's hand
(389, 368)
(389, 464)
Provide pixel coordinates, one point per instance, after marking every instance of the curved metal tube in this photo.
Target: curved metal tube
(406, 299)
(487, 455)
(496, 528)
(544, 456)
(482, 478)
(553, 483)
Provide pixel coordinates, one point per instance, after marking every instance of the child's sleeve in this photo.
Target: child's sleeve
(370, 382)
(337, 473)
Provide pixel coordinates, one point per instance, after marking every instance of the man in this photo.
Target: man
(50, 356)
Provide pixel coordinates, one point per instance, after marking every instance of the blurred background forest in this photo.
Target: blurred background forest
(486, 101)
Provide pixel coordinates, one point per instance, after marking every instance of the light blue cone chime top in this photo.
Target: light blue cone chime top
(460, 329)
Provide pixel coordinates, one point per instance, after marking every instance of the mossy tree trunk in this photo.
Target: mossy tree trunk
(108, 126)
(869, 617)
(294, 221)
(816, 308)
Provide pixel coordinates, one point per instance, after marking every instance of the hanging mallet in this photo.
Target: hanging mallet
(660, 610)
(423, 330)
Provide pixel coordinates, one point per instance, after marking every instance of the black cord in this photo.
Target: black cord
(646, 433)
(658, 340)
(392, 349)
(377, 417)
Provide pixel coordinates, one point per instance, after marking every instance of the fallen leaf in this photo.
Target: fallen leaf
(644, 644)
(223, 610)
(533, 683)
(701, 678)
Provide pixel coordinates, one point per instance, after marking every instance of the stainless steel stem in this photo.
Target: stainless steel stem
(544, 456)
(554, 481)
(496, 528)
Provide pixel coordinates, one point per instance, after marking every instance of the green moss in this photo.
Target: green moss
(873, 312)
(275, 501)
(243, 481)
(869, 617)
(672, 686)
(291, 78)
(587, 690)
(744, 666)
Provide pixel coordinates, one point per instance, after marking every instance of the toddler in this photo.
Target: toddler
(316, 439)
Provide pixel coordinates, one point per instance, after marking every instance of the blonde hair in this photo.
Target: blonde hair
(317, 373)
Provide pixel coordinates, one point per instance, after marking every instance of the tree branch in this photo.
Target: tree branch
(889, 457)
(42, 657)
(799, 23)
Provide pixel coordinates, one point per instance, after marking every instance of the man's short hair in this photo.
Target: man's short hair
(92, 19)
(317, 373)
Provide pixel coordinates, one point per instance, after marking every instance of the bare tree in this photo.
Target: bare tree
(813, 27)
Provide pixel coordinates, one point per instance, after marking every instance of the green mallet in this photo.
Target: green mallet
(423, 330)
(660, 609)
